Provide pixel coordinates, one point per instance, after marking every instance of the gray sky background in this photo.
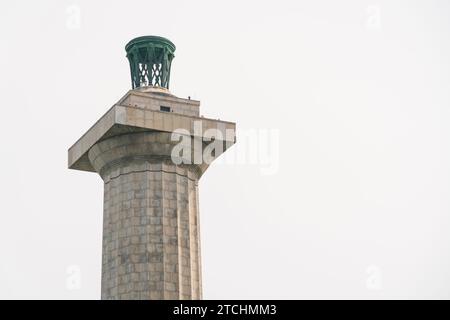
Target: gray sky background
(358, 91)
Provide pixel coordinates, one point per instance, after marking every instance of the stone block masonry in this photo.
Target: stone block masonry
(151, 232)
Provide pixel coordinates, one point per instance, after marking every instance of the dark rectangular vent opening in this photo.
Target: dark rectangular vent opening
(164, 108)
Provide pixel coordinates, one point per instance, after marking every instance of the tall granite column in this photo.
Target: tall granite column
(151, 247)
(151, 233)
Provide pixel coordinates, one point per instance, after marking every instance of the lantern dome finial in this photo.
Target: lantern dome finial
(150, 59)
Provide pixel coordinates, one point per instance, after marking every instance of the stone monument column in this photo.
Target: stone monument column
(151, 230)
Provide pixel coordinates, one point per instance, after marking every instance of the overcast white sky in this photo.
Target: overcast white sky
(358, 92)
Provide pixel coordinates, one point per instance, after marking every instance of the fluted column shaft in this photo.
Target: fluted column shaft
(151, 240)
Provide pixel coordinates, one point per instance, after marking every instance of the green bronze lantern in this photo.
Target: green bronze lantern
(150, 59)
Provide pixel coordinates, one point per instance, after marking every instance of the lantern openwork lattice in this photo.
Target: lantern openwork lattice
(150, 59)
